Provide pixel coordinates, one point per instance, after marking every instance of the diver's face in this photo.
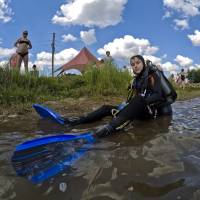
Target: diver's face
(137, 65)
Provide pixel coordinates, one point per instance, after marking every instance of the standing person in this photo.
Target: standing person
(148, 102)
(23, 44)
(108, 58)
(172, 78)
(182, 78)
(35, 72)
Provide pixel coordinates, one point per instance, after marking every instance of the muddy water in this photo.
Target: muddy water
(157, 159)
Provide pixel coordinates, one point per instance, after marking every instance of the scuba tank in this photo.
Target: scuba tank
(167, 88)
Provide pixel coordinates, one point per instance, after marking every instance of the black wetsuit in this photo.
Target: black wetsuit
(146, 104)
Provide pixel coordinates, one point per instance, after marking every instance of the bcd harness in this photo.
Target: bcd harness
(169, 94)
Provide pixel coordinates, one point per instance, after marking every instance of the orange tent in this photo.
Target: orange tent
(80, 61)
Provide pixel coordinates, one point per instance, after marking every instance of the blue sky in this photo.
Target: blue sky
(165, 31)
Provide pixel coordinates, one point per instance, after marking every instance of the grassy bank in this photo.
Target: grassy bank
(189, 92)
(16, 89)
(20, 91)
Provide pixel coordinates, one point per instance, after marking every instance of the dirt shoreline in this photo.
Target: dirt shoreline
(66, 107)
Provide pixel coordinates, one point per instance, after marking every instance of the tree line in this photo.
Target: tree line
(194, 76)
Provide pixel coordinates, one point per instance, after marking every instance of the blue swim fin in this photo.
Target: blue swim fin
(54, 139)
(46, 112)
(42, 158)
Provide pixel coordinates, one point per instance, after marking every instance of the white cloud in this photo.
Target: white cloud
(181, 24)
(195, 38)
(169, 67)
(6, 53)
(188, 8)
(183, 61)
(3, 63)
(164, 56)
(72, 71)
(5, 11)
(88, 37)
(124, 48)
(153, 59)
(30, 65)
(69, 37)
(127, 46)
(44, 58)
(197, 66)
(174, 73)
(194, 67)
(101, 13)
(184, 9)
(167, 15)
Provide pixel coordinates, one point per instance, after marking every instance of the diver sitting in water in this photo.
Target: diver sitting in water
(153, 98)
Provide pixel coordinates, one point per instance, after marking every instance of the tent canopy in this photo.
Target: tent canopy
(72, 71)
(80, 61)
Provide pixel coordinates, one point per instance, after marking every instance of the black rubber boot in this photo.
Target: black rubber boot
(104, 131)
(73, 121)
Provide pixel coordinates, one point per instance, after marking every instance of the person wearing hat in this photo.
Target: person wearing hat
(23, 44)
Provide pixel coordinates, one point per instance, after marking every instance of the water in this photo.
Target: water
(157, 159)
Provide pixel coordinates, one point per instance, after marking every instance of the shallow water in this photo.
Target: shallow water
(158, 159)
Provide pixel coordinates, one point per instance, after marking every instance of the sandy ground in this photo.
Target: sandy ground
(66, 107)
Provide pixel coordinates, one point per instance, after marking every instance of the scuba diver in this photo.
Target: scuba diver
(150, 96)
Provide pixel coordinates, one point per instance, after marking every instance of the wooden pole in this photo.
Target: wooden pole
(53, 52)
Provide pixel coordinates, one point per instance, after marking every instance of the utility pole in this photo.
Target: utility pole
(53, 52)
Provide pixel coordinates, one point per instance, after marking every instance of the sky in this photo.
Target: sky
(165, 31)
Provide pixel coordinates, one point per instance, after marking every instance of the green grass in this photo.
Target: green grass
(16, 88)
(105, 81)
(190, 91)
(19, 89)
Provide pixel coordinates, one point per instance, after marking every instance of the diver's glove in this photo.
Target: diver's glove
(104, 131)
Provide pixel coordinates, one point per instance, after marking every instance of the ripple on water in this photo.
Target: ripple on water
(157, 155)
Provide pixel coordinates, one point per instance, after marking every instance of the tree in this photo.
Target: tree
(194, 76)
